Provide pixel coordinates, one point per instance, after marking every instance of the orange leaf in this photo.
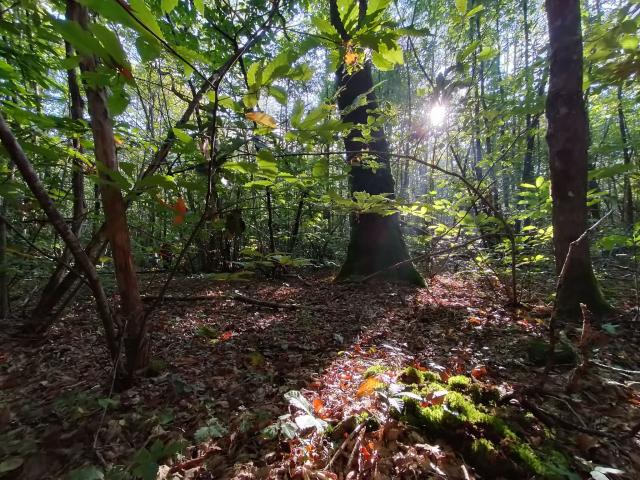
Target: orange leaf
(350, 58)
(474, 321)
(181, 209)
(479, 371)
(261, 118)
(318, 405)
(225, 336)
(369, 386)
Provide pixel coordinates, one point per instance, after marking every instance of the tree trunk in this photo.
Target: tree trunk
(567, 141)
(77, 186)
(39, 192)
(136, 341)
(296, 224)
(272, 242)
(627, 194)
(376, 242)
(4, 280)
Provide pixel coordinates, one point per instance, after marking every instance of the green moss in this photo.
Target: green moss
(467, 411)
(413, 376)
(497, 449)
(460, 383)
(483, 451)
(375, 370)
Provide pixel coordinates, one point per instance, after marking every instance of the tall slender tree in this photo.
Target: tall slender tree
(567, 138)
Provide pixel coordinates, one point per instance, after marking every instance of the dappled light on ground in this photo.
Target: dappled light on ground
(221, 370)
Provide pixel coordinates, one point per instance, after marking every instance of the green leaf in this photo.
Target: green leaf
(142, 13)
(110, 42)
(279, 93)
(182, 135)
(266, 161)
(168, 5)
(11, 464)
(86, 473)
(118, 102)
(82, 40)
(321, 168)
(462, 6)
(199, 4)
(213, 429)
(487, 53)
(539, 182)
(148, 50)
(628, 42)
(611, 171)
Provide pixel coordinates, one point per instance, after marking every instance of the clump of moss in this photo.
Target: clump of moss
(483, 451)
(413, 376)
(374, 370)
(459, 383)
(497, 448)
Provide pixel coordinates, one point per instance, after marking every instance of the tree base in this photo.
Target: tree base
(375, 248)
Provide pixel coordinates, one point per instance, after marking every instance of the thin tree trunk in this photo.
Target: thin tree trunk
(4, 280)
(627, 194)
(272, 242)
(39, 192)
(567, 140)
(77, 184)
(296, 223)
(136, 341)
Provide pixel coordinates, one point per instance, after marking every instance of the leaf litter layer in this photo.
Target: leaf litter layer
(237, 390)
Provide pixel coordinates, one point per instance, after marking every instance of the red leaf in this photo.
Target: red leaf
(479, 371)
(225, 336)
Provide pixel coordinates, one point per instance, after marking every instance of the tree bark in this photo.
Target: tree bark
(567, 141)
(376, 242)
(77, 186)
(39, 192)
(627, 194)
(136, 340)
(296, 223)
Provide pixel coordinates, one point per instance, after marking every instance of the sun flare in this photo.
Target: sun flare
(438, 115)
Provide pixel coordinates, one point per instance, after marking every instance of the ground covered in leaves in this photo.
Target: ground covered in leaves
(357, 382)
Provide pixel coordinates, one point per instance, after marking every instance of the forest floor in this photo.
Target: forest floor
(221, 369)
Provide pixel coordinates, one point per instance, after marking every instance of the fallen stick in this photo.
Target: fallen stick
(237, 297)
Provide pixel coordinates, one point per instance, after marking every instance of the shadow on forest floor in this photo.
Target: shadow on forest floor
(233, 362)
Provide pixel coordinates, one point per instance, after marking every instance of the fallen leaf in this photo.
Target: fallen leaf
(370, 385)
(318, 405)
(225, 336)
(479, 371)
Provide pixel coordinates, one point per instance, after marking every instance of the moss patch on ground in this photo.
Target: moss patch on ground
(465, 414)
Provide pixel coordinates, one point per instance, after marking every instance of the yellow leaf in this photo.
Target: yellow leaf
(370, 385)
(350, 58)
(261, 118)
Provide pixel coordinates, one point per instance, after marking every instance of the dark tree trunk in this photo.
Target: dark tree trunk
(39, 192)
(272, 242)
(77, 186)
(376, 243)
(567, 140)
(627, 194)
(136, 341)
(4, 280)
(296, 223)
